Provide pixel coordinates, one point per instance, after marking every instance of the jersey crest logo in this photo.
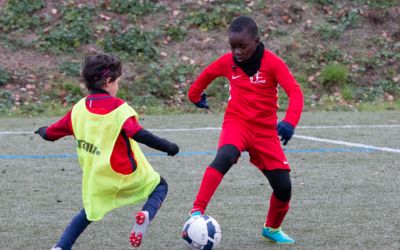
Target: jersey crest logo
(257, 78)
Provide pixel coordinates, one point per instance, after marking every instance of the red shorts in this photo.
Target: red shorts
(263, 145)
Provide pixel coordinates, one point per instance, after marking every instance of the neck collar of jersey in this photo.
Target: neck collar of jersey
(253, 64)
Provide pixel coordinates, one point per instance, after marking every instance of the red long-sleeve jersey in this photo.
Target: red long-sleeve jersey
(253, 99)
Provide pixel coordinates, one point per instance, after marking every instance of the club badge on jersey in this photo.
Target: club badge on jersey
(257, 78)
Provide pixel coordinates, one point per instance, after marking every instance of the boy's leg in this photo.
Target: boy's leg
(267, 154)
(227, 155)
(74, 229)
(279, 205)
(149, 210)
(210, 182)
(156, 199)
(280, 198)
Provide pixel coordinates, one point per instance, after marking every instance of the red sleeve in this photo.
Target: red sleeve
(61, 128)
(214, 70)
(131, 127)
(292, 89)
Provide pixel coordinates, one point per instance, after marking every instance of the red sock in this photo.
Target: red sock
(211, 180)
(276, 212)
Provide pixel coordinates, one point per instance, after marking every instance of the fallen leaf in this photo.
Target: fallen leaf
(107, 18)
(175, 12)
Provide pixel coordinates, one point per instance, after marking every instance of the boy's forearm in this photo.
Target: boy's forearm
(295, 107)
(202, 82)
(61, 128)
(293, 90)
(149, 139)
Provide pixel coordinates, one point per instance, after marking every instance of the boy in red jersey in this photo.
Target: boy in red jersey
(250, 120)
(115, 171)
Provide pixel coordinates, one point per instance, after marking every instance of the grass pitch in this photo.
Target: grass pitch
(344, 197)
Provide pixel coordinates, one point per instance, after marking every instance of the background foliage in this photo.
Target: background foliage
(345, 54)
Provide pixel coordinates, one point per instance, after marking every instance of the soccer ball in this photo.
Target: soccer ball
(201, 232)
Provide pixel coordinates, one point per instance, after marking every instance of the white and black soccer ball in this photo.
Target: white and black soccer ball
(201, 232)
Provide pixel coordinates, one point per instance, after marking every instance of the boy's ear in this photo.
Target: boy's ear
(108, 80)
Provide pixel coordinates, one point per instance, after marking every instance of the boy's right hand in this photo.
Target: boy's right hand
(42, 132)
(203, 102)
(173, 149)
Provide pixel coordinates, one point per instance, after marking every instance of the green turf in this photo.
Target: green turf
(347, 200)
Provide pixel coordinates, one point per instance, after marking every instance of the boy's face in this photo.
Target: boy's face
(243, 45)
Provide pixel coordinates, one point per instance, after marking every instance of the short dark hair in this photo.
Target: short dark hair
(98, 67)
(242, 23)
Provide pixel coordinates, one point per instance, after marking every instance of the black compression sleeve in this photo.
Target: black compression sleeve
(151, 140)
(227, 155)
(279, 180)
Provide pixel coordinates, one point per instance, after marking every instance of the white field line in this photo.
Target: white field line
(310, 138)
(349, 126)
(298, 136)
(350, 144)
(150, 129)
(218, 128)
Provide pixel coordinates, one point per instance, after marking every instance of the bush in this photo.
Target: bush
(175, 31)
(216, 16)
(379, 3)
(133, 8)
(328, 31)
(133, 44)
(336, 26)
(334, 75)
(369, 94)
(6, 102)
(157, 84)
(165, 81)
(347, 93)
(332, 54)
(73, 92)
(72, 32)
(219, 90)
(20, 14)
(4, 76)
(71, 68)
(323, 2)
(389, 86)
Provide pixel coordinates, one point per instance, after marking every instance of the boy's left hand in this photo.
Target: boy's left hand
(173, 149)
(285, 131)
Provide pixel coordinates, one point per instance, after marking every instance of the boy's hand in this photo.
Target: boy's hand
(173, 149)
(42, 132)
(285, 131)
(203, 102)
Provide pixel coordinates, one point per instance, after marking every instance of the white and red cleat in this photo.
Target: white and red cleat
(141, 223)
(135, 240)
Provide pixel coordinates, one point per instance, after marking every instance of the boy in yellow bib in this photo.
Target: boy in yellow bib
(115, 171)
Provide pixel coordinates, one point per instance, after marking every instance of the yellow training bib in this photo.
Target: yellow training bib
(103, 189)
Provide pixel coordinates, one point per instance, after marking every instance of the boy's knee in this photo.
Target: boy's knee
(283, 193)
(163, 184)
(227, 155)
